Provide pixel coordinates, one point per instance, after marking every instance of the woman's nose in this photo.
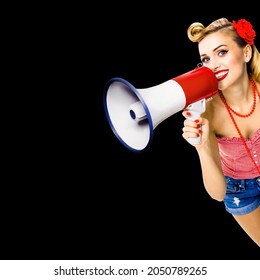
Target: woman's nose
(216, 66)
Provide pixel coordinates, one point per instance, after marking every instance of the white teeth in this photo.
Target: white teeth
(220, 75)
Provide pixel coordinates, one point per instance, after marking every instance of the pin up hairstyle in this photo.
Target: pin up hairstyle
(241, 31)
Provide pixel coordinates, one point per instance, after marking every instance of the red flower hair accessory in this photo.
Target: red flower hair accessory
(245, 30)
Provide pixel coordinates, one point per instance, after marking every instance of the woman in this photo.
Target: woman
(229, 151)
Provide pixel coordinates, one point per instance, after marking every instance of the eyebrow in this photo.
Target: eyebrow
(214, 49)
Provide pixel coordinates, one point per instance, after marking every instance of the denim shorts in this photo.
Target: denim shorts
(242, 196)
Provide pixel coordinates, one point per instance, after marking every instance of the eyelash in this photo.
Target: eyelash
(220, 53)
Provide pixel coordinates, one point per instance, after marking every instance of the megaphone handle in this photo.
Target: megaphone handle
(196, 109)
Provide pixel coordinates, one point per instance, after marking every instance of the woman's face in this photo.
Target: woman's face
(220, 53)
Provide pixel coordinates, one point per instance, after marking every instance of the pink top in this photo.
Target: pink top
(236, 162)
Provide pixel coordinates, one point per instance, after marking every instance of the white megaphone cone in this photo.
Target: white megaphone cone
(134, 113)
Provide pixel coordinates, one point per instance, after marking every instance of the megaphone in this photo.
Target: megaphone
(133, 113)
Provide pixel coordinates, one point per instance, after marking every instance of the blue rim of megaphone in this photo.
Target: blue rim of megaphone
(149, 118)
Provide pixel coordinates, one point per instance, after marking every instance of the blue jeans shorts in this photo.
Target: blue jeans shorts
(242, 196)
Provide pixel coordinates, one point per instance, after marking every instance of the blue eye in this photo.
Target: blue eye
(205, 60)
(223, 52)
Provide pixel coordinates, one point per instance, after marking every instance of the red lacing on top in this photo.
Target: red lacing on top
(255, 136)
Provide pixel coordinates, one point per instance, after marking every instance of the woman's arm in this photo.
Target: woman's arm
(212, 174)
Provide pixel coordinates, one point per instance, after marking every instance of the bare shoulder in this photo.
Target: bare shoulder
(214, 108)
(215, 112)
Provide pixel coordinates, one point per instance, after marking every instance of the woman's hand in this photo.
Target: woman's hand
(195, 128)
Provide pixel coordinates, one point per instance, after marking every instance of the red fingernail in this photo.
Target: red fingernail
(196, 121)
(188, 113)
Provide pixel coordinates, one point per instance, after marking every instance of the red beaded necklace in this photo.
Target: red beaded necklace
(230, 111)
(254, 89)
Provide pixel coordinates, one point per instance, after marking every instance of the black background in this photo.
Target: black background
(77, 192)
(156, 201)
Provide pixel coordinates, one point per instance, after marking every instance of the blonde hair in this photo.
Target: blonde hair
(197, 31)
